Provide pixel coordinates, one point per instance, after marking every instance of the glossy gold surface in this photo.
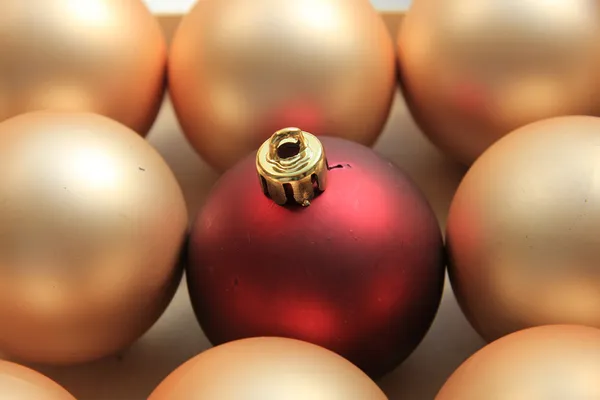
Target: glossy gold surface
(292, 166)
(91, 224)
(240, 70)
(267, 368)
(473, 71)
(550, 362)
(21, 383)
(102, 56)
(523, 229)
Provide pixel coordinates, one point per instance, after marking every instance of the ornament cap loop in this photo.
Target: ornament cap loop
(292, 166)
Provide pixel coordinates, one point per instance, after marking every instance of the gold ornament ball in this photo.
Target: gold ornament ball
(267, 368)
(92, 222)
(549, 362)
(472, 71)
(102, 56)
(240, 70)
(21, 383)
(523, 228)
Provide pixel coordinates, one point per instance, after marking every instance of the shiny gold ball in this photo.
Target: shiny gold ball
(91, 225)
(523, 229)
(21, 383)
(101, 56)
(472, 71)
(267, 368)
(550, 362)
(240, 70)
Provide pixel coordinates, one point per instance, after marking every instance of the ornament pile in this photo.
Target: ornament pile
(315, 266)
(518, 104)
(92, 220)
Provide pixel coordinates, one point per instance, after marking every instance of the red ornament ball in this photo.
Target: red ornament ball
(360, 271)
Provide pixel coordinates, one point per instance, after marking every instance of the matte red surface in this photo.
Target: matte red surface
(360, 271)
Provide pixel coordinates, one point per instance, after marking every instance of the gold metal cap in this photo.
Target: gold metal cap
(292, 166)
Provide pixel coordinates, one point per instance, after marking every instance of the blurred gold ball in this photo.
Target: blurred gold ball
(267, 368)
(472, 71)
(240, 70)
(21, 383)
(549, 362)
(92, 222)
(102, 56)
(523, 228)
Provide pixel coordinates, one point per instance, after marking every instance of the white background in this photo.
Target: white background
(182, 6)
